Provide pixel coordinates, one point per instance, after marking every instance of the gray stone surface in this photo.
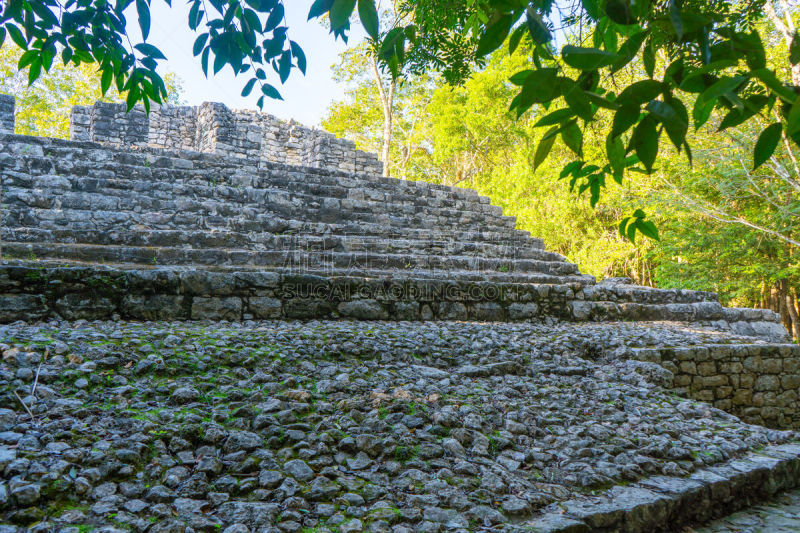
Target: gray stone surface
(373, 425)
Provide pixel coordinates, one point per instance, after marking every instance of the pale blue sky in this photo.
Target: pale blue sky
(305, 97)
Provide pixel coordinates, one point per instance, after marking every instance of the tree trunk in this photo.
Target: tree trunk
(791, 306)
(785, 25)
(387, 101)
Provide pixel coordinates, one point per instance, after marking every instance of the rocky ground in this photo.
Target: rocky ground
(337, 426)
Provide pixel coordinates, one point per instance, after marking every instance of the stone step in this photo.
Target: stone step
(287, 259)
(186, 209)
(270, 241)
(33, 290)
(52, 156)
(628, 293)
(127, 182)
(246, 221)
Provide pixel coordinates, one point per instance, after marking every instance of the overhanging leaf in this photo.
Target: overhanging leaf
(766, 144)
(587, 58)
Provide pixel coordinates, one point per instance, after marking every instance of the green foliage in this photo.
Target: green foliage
(248, 36)
(703, 56)
(43, 108)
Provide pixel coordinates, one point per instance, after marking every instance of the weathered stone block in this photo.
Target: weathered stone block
(767, 383)
(522, 311)
(363, 310)
(742, 397)
(707, 369)
(790, 381)
(264, 307)
(772, 366)
(715, 381)
(22, 307)
(688, 367)
(213, 308)
(153, 307)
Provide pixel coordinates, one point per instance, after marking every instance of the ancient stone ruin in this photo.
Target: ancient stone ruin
(217, 320)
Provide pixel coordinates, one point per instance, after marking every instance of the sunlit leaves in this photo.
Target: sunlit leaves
(630, 225)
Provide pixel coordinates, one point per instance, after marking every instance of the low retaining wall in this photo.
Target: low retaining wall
(758, 383)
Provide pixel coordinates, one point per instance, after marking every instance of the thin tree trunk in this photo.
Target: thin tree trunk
(786, 27)
(791, 306)
(387, 101)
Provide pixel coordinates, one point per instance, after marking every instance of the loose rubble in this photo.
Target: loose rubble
(338, 426)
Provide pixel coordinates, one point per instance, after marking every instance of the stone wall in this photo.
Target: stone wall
(6, 114)
(213, 128)
(757, 382)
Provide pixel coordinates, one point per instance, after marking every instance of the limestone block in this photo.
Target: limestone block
(264, 307)
(153, 307)
(742, 397)
(767, 383)
(772, 366)
(216, 308)
(706, 369)
(367, 309)
(790, 381)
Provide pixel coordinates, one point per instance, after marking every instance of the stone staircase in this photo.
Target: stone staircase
(178, 216)
(123, 215)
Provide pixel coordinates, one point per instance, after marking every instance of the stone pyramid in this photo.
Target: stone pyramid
(234, 217)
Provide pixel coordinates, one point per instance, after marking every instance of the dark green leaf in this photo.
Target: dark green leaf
(702, 111)
(150, 50)
(620, 11)
(340, 12)
(625, 117)
(494, 35)
(648, 229)
(628, 50)
(675, 18)
(515, 38)
(616, 154)
(721, 87)
(271, 92)
(587, 58)
(16, 36)
(319, 8)
(199, 43)
(592, 8)
(299, 55)
(369, 17)
(519, 78)
(645, 142)
(576, 99)
(556, 117)
(143, 10)
(794, 49)
(544, 147)
(275, 18)
(105, 79)
(640, 92)
(674, 118)
(538, 30)
(766, 144)
(249, 87)
(572, 136)
(649, 58)
(285, 65)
